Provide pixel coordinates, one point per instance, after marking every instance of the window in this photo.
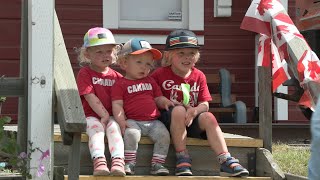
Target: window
(153, 14)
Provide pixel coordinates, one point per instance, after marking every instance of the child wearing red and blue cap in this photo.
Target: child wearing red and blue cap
(135, 101)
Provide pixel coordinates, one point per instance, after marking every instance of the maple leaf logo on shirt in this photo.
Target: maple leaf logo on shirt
(264, 5)
(314, 69)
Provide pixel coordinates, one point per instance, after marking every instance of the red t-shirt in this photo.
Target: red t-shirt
(138, 98)
(170, 85)
(90, 81)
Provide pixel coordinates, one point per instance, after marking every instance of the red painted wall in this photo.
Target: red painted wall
(226, 45)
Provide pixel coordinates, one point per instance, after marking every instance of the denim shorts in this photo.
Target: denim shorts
(193, 131)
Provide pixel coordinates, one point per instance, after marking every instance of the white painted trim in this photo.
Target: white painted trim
(195, 21)
(256, 76)
(153, 39)
(153, 24)
(280, 105)
(222, 8)
(40, 84)
(196, 18)
(111, 13)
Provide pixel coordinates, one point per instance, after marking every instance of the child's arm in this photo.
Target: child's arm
(163, 103)
(97, 107)
(118, 114)
(192, 112)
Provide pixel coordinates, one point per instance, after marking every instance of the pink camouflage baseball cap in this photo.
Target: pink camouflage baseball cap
(98, 36)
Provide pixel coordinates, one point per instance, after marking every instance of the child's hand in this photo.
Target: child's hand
(104, 121)
(167, 103)
(190, 115)
(123, 125)
(163, 103)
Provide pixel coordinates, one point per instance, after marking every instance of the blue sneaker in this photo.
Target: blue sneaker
(232, 168)
(183, 166)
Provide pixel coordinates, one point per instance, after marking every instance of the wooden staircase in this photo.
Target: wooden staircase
(204, 164)
(72, 156)
(168, 178)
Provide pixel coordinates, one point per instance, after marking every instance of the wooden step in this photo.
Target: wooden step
(232, 140)
(83, 177)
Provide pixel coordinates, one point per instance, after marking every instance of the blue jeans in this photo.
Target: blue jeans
(314, 162)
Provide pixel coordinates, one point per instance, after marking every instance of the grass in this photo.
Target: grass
(291, 159)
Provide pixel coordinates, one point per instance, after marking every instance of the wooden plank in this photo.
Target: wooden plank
(10, 87)
(70, 109)
(266, 166)
(222, 110)
(216, 98)
(40, 84)
(215, 78)
(22, 137)
(231, 140)
(265, 107)
(87, 177)
(74, 157)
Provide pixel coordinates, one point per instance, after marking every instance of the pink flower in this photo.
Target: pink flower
(45, 154)
(22, 155)
(40, 169)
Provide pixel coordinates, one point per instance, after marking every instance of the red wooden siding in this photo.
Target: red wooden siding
(226, 45)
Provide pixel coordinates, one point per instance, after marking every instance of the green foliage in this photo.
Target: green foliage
(19, 161)
(2, 99)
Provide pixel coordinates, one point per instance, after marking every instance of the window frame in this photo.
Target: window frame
(192, 11)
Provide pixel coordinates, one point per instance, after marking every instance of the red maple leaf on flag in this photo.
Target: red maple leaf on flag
(264, 5)
(283, 28)
(272, 59)
(314, 69)
(279, 36)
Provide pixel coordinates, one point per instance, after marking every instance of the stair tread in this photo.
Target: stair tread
(149, 177)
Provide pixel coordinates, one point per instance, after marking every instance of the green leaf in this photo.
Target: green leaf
(2, 99)
(5, 120)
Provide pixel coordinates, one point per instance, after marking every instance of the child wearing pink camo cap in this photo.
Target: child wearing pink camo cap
(94, 81)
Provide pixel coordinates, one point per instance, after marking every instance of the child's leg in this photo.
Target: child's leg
(159, 134)
(115, 141)
(95, 131)
(116, 147)
(179, 138)
(229, 165)
(208, 123)
(131, 139)
(178, 128)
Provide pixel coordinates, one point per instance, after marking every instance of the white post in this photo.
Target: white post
(281, 105)
(40, 84)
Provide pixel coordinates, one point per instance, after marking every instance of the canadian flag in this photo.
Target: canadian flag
(264, 51)
(258, 16)
(308, 67)
(269, 18)
(268, 51)
(279, 74)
